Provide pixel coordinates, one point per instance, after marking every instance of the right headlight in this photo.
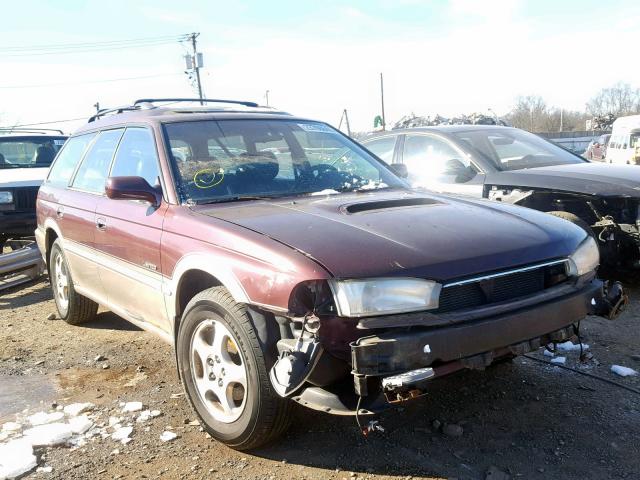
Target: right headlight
(585, 259)
(384, 296)
(6, 197)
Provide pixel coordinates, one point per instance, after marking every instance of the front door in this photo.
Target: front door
(128, 236)
(436, 164)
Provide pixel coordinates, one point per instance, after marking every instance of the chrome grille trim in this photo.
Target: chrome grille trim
(508, 272)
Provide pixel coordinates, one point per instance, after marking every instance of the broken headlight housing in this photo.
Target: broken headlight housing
(384, 296)
(585, 259)
(6, 197)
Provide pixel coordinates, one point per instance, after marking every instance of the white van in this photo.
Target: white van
(624, 145)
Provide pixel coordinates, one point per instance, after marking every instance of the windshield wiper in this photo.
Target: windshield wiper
(235, 198)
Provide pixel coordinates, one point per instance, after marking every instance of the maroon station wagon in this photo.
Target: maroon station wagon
(286, 263)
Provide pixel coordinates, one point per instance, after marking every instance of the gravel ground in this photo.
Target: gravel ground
(521, 419)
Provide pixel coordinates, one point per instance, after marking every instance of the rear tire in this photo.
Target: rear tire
(73, 308)
(576, 220)
(224, 373)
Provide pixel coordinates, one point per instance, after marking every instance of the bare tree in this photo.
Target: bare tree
(619, 99)
(530, 113)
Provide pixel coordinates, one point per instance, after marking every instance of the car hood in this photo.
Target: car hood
(22, 177)
(406, 234)
(600, 179)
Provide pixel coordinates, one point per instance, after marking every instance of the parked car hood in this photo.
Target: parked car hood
(378, 234)
(22, 177)
(589, 178)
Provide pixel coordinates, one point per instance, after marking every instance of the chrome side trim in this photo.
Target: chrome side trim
(507, 272)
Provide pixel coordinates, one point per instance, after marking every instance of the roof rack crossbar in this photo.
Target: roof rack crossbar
(204, 100)
(30, 130)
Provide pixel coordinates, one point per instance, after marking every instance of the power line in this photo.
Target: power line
(88, 81)
(90, 47)
(49, 123)
(83, 45)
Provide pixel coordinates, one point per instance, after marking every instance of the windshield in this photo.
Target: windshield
(512, 149)
(225, 160)
(29, 152)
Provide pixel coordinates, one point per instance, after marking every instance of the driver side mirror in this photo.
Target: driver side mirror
(132, 188)
(400, 169)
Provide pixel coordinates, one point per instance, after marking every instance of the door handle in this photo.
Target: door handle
(101, 223)
(60, 212)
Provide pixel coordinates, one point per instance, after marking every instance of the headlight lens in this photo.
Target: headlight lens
(6, 197)
(585, 259)
(382, 296)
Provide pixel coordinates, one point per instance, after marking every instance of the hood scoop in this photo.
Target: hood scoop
(387, 204)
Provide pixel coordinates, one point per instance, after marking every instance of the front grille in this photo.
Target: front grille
(500, 287)
(25, 198)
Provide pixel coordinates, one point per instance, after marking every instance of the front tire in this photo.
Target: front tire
(73, 308)
(224, 373)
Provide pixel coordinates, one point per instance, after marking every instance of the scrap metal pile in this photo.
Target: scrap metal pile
(603, 122)
(411, 121)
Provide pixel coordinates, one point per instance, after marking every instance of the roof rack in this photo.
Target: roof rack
(149, 103)
(42, 131)
(101, 113)
(200, 100)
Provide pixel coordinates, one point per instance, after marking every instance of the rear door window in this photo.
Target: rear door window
(136, 156)
(94, 169)
(65, 164)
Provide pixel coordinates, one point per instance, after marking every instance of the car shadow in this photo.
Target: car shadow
(29, 293)
(521, 417)
(110, 321)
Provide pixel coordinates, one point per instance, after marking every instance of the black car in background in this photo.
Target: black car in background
(513, 166)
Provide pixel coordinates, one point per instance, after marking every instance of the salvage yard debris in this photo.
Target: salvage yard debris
(623, 371)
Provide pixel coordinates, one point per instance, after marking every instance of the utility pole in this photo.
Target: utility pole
(561, 119)
(384, 122)
(197, 63)
(266, 95)
(345, 117)
(97, 105)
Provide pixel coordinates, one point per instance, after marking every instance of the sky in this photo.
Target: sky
(317, 58)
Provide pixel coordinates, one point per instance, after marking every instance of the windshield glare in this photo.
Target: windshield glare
(222, 160)
(29, 152)
(512, 149)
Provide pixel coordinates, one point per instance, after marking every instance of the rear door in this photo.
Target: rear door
(437, 164)
(128, 235)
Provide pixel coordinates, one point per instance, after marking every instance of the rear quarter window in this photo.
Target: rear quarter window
(65, 163)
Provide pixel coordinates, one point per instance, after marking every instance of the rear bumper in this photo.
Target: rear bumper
(394, 351)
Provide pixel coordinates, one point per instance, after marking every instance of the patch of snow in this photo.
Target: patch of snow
(569, 346)
(130, 407)
(76, 409)
(155, 413)
(16, 458)
(42, 418)
(326, 191)
(167, 436)
(11, 427)
(44, 469)
(547, 353)
(559, 360)
(144, 416)
(623, 371)
(80, 424)
(122, 434)
(51, 434)
(114, 421)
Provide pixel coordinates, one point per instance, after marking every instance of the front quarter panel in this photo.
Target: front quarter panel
(253, 267)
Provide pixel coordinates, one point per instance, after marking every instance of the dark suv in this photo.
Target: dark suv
(287, 264)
